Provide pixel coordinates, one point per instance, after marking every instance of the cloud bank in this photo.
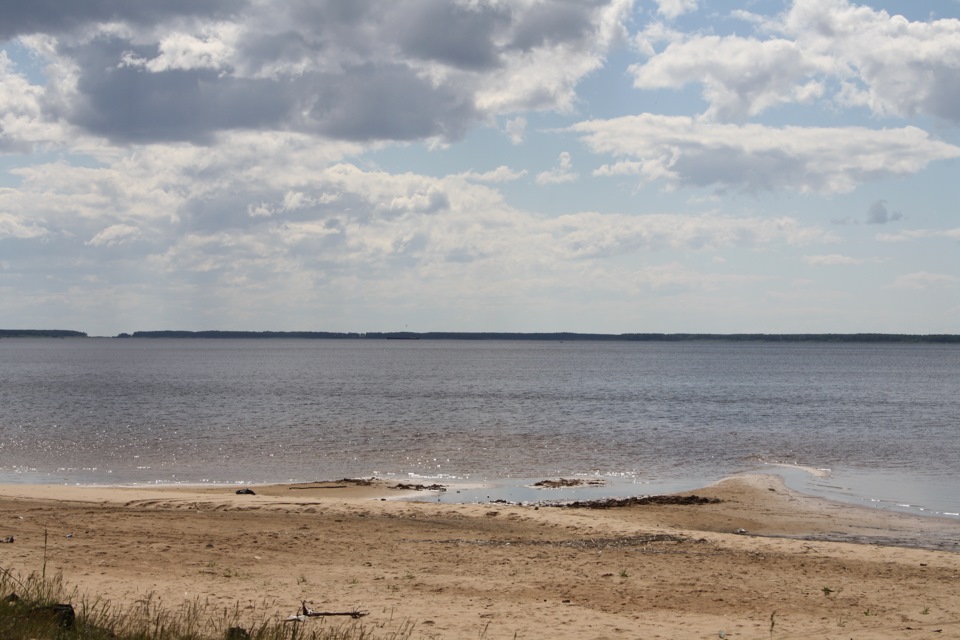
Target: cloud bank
(600, 165)
(370, 70)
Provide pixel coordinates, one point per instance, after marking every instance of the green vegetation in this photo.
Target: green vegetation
(41, 333)
(560, 336)
(321, 335)
(31, 609)
(564, 336)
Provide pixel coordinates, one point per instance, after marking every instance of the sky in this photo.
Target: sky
(611, 166)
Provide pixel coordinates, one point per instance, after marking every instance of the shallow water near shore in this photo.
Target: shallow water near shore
(854, 490)
(646, 417)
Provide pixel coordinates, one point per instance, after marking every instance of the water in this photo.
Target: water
(647, 417)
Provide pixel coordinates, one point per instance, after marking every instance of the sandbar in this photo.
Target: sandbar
(763, 562)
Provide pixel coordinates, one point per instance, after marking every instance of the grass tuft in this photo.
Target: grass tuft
(29, 611)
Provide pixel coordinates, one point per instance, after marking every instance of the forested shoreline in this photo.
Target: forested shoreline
(467, 335)
(41, 333)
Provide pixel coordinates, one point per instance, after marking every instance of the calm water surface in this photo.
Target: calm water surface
(650, 417)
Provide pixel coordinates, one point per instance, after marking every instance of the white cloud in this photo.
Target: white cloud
(381, 70)
(894, 66)
(925, 280)
(295, 200)
(919, 234)
(674, 278)
(690, 152)
(545, 77)
(22, 120)
(429, 200)
(516, 128)
(12, 226)
(267, 224)
(163, 191)
(178, 51)
(183, 51)
(115, 235)
(502, 173)
(259, 210)
(674, 8)
(561, 173)
(867, 57)
(741, 76)
(833, 259)
(646, 40)
(216, 154)
(593, 235)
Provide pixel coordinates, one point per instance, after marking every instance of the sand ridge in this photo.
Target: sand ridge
(502, 571)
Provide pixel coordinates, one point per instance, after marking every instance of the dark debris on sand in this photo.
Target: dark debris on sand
(614, 503)
(419, 487)
(343, 483)
(567, 482)
(358, 482)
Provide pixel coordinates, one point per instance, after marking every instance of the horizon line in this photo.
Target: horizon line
(499, 335)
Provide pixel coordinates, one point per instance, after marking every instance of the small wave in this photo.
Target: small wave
(437, 476)
(817, 472)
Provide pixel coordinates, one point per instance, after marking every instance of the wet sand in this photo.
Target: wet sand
(764, 562)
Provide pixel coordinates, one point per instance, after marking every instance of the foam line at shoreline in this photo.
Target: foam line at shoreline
(813, 471)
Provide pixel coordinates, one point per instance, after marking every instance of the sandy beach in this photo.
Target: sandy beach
(763, 562)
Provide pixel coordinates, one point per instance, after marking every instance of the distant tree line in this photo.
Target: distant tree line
(794, 337)
(41, 333)
(325, 335)
(558, 336)
(483, 335)
(672, 337)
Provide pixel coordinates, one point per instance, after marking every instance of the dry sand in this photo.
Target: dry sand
(505, 571)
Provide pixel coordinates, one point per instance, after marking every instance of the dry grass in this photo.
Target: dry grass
(29, 611)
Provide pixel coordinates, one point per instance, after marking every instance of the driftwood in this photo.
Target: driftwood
(307, 612)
